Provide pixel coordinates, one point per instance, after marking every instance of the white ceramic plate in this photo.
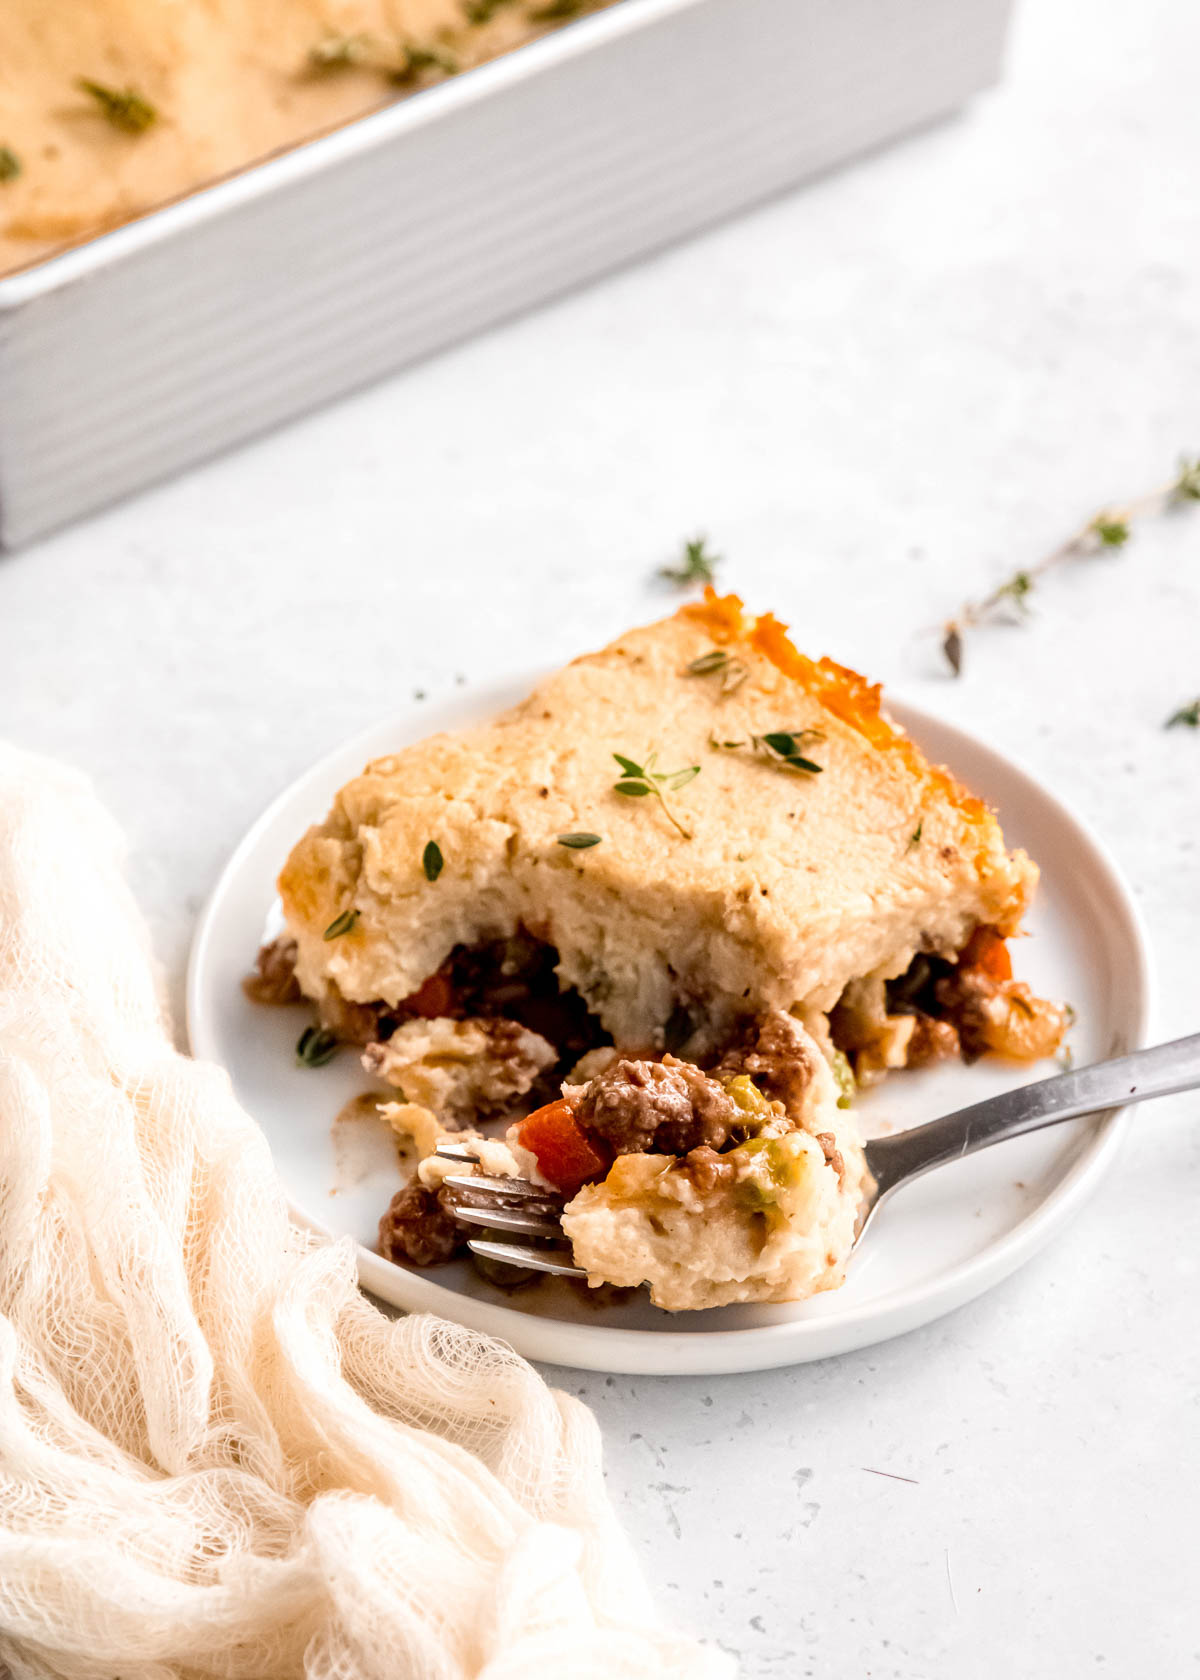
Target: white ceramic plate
(940, 1242)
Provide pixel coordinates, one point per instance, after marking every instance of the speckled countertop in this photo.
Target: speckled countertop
(878, 396)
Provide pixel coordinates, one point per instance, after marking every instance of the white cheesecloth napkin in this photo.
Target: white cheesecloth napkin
(217, 1458)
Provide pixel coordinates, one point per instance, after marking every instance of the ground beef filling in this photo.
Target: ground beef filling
(274, 981)
(932, 1041)
(667, 1107)
(970, 1007)
(916, 993)
(511, 979)
(674, 1108)
(516, 978)
(770, 1051)
(939, 1009)
(418, 1229)
(707, 1169)
(274, 978)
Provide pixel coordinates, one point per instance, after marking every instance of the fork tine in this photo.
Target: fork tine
(509, 1219)
(531, 1259)
(457, 1152)
(516, 1188)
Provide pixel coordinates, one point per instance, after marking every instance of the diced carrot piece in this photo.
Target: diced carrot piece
(563, 1150)
(433, 998)
(986, 950)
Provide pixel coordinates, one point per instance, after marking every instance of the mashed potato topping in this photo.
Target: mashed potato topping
(789, 887)
(220, 84)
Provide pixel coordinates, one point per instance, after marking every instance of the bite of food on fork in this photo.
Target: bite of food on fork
(522, 1225)
(742, 1183)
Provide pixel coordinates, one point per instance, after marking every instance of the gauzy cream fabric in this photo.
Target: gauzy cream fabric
(217, 1458)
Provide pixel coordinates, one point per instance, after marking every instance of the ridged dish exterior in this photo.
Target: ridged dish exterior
(256, 299)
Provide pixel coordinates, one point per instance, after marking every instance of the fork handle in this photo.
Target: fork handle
(1157, 1072)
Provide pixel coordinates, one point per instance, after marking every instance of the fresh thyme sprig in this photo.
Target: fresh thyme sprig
(1109, 529)
(341, 924)
(781, 747)
(124, 108)
(638, 781)
(718, 661)
(697, 565)
(10, 164)
(1188, 716)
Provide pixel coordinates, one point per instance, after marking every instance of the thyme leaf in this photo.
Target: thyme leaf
(578, 842)
(1017, 590)
(315, 1047)
(418, 59)
(124, 108)
(1113, 533)
(914, 839)
(10, 164)
(697, 565)
(952, 647)
(781, 747)
(432, 861)
(641, 781)
(1188, 716)
(341, 52)
(341, 924)
(718, 661)
(1186, 487)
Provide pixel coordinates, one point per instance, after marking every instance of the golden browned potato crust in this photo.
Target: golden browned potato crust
(789, 884)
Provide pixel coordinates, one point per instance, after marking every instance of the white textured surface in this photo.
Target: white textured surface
(878, 396)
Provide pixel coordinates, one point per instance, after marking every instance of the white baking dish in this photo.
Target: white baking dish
(260, 296)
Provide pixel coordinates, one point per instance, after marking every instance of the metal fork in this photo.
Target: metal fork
(509, 1204)
(516, 1205)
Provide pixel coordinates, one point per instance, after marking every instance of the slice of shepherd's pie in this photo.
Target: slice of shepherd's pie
(708, 883)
